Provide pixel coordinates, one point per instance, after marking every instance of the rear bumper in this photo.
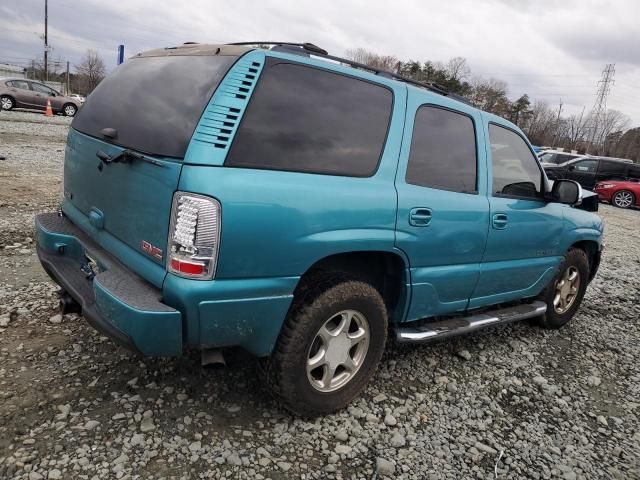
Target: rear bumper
(114, 300)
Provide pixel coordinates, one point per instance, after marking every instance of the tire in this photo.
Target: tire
(558, 312)
(623, 199)
(324, 302)
(7, 103)
(69, 109)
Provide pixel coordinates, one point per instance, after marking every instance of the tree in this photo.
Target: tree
(371, 59)
(520, 109)
(91, 70)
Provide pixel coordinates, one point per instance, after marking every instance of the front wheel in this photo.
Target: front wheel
(623, 199)
(564, 294)
(330, 345)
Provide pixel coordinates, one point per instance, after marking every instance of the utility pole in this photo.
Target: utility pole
(599, 109)
(555, 134)
(46, 41)
(68, 89)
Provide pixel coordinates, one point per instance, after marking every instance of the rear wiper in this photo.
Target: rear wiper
(124, 156)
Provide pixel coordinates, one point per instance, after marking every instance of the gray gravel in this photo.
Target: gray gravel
(512, 402)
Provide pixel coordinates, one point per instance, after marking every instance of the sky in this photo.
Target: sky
(553, 50)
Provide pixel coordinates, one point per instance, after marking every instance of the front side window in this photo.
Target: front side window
(515, 169)
(41, 89)
(585, 166)
(304, 119)
(443, 151)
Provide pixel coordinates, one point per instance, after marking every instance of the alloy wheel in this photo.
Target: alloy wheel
(69, 110)
(566, 290)
(623, 199)
(338, 350)
(6, 103)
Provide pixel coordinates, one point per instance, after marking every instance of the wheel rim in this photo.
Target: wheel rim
(69, 111)
(623, 199)
(6, 103)
(338, 350)
(566, 290)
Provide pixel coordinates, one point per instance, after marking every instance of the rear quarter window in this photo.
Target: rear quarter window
(305, 119)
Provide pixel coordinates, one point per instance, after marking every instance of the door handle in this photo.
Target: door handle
(500, 221)
(420, 217)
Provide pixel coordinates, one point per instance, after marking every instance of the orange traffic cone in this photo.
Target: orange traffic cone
(49, 111)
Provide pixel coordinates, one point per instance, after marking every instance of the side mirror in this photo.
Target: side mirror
(566, 191)
(52, 94)
(571, 168)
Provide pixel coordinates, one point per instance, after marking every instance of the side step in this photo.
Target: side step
(460, 325)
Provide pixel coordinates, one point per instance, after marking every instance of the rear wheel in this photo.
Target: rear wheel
(7, 103)
(623, 199)
(564, 294)
(330, 345)
(69, 110)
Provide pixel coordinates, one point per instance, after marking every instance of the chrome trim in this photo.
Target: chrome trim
(460, 326)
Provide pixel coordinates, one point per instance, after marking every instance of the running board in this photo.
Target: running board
(460, 325)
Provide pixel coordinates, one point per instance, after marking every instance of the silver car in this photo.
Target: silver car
(24, 93)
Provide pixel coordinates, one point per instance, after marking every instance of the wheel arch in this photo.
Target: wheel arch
(386, 271)
(592, 250)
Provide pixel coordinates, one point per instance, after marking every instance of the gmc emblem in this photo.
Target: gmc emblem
(155, 252)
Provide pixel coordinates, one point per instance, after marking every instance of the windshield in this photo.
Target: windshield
(153, 103)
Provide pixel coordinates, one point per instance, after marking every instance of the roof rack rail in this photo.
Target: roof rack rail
(315, 50)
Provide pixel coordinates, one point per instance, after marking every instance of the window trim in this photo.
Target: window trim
(476, 191)
(541, 197)
(271, 61)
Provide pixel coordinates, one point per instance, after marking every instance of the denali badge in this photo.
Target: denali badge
(151, 250)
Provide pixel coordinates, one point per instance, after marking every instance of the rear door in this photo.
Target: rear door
(21, 91)
(442, 205)
(523, 244)
(149, 105)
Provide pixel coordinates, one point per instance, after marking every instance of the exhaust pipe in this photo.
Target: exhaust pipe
(68, 304)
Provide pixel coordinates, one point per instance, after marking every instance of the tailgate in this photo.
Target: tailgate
(130, 200)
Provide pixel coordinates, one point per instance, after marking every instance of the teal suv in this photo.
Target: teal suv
(305, 208)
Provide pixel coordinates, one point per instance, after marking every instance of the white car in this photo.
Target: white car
(78, 97)
(556, 157)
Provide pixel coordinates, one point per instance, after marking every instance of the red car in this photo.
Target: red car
(623, 194)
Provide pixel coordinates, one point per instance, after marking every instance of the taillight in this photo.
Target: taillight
(194, 236)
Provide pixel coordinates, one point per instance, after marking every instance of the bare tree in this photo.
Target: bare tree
(372, 59)
(91, 69)
(458, 69)
(577, 129)
(612, 121)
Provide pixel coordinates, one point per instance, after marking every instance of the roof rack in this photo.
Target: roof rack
(312, 49)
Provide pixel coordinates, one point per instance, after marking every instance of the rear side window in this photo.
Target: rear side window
(515, 169)
(634, 172)
(305, 119)
(443, 151)
(18, 84)
(154, 103)
(607, 167)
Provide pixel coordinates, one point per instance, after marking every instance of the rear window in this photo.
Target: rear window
(305, 119)
(154, 103)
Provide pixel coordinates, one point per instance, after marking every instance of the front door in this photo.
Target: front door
(523, 245)
(443, 211)
(583, 172)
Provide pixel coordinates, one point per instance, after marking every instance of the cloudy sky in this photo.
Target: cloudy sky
(552, 50)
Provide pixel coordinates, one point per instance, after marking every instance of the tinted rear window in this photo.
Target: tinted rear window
(309, 120)
(443, 151)
(154, 103)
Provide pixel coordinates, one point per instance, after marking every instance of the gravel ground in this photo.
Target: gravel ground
(511, 402)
